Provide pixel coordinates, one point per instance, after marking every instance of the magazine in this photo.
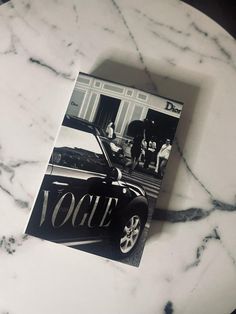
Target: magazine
(105, 172)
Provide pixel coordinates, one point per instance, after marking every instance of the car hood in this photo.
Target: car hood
(134, 187)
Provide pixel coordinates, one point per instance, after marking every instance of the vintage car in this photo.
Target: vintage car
(83, 197)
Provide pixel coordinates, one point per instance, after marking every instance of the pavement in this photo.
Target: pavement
(149, 182)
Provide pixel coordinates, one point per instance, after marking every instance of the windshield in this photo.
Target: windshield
(80, 150)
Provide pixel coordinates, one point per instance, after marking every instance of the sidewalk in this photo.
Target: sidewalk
(150, 171)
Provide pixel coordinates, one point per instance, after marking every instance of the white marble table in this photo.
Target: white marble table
(189, 262)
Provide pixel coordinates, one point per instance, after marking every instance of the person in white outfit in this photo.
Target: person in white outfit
(163, 156)
(110, 130)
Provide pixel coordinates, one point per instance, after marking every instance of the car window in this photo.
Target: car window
(102, 132)
(79, 150)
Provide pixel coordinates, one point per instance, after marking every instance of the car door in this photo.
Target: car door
(75, 201)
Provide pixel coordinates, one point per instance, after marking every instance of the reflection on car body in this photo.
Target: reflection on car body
(82, 197)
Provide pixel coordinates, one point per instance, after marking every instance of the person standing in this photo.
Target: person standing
(143, 150)
(149, 130)
(110, 130)
(162, 157)
(149, 153)
(135, 152)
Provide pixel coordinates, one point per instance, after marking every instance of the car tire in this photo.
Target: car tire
(126, 233)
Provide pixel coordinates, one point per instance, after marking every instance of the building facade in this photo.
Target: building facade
(102, 102)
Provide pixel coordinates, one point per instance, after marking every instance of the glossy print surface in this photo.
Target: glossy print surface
(189, 261)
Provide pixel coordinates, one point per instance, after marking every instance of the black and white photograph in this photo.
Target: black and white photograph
(105, 172)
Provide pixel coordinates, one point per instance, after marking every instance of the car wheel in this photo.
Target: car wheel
(127, 234)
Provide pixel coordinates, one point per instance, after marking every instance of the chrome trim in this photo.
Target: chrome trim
(60, 183)
(80, 242)
(75, 173)
(49, 169)
(141, 190)
(104, 151)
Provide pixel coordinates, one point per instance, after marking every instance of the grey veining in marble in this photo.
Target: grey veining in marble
(166, 46)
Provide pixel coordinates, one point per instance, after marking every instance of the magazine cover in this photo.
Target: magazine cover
(105, 171)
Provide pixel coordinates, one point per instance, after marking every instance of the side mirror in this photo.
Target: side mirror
(114, 174)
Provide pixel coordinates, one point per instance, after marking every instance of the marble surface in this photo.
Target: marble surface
(189, 262)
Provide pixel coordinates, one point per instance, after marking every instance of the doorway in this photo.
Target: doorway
(106, 111)
(165, 125)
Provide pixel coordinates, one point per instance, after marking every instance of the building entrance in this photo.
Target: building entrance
(106, 111)
(165, 125)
